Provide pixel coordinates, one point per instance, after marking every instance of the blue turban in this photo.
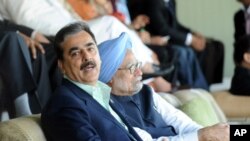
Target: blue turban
(112, 53)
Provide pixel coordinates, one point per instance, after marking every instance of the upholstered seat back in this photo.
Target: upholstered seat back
(234, 106)
(22, 129)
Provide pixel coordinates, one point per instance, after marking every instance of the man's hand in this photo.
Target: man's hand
(159, 40)
(152, 40)
(145, 36)
(33, 45)
(217, 132)
(41, 38)
(140, 21)
(198, 42)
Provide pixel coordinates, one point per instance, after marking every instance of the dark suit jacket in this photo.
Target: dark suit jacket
(73, 115)
(239, 24)
(163, 20)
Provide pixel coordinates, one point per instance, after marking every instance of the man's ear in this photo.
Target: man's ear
(246, 57)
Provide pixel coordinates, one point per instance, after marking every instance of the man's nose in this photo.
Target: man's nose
(138, 72)
(85, 56)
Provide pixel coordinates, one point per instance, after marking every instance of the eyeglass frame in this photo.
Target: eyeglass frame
(137, 65)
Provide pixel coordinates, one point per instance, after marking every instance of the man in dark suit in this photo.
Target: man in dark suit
(240, 84)
(145, 109)
(239, 24)
(80, 109)
(240, 20)
(240, 81)
(163, 14)
(164, 22)
(188, 69)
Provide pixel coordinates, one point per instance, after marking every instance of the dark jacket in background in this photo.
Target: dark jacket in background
(239, 24)
(240, 84)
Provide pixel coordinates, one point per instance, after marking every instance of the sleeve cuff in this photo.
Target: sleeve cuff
(188, 39)
(166, 38)
(33, 34)
(193, 136)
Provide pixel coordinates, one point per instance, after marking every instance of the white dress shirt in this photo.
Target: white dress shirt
(37, 14)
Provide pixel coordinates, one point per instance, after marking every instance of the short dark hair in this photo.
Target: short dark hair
(69, 30)
(241, 46)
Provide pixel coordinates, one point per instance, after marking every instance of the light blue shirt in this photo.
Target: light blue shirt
(101, 93)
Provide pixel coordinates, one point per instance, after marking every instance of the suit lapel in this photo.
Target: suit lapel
(91, 102)
(86, 98)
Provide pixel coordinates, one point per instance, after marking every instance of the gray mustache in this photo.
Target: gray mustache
(86, 64)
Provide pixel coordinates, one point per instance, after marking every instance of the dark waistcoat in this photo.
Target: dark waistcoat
(140, 110)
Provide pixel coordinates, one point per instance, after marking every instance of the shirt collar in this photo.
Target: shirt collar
(1, 18)
(100, 92)
(246, 9)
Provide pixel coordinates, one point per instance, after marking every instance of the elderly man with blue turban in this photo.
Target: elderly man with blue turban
(147, 112)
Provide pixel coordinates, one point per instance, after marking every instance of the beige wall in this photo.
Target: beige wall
(212, 18)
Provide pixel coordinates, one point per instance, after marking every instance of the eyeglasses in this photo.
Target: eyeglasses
(133, 67)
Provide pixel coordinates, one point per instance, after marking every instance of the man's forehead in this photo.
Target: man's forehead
(82, 34)
(80, 37)
(129, 58)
